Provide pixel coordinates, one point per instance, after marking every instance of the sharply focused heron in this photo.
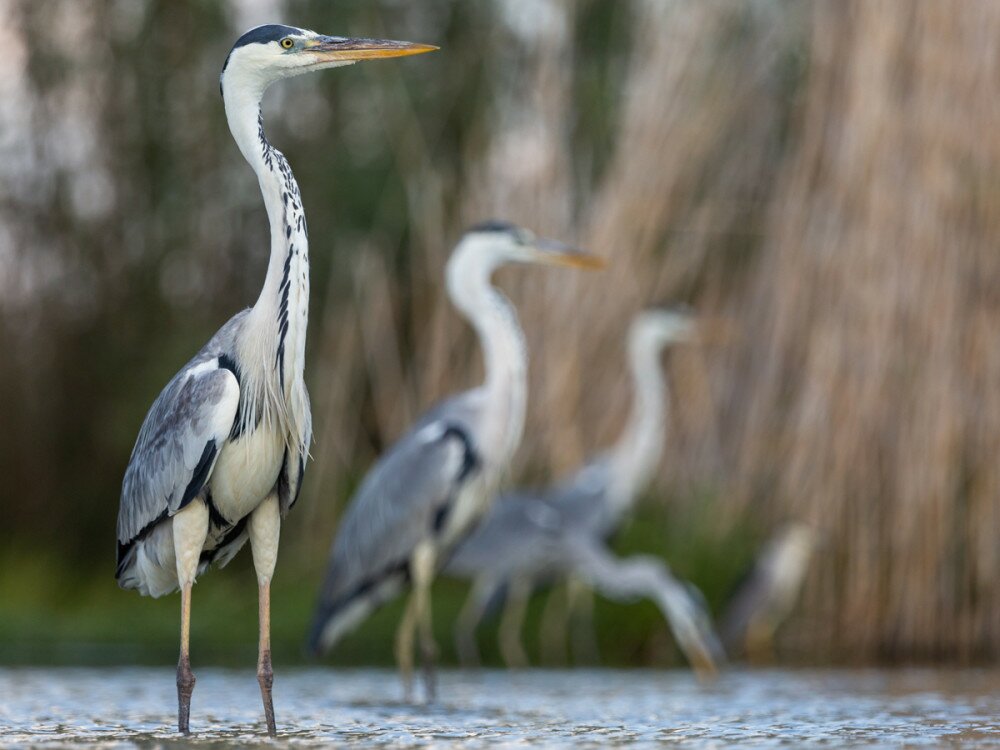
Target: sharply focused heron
(530, 538)
(423, 495)
(221, 454)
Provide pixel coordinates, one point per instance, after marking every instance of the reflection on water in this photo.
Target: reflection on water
(135, 707)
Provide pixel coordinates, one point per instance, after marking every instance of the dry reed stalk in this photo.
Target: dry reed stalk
(691, 163)
(874, 392)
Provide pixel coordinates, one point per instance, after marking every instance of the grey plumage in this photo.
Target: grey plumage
(179, 439)
(560, 533)
(548, 536)
(221, 453)
(520, 533)
(425, 494)
(522, 525)
(201, 410)
(403, 498)
(647, 576)
(517, 528)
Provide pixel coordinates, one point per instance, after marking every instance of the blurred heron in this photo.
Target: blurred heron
(421, 497)
(768, 594)
(221, 454)
(530, 538)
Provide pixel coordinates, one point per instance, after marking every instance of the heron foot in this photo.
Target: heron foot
(265, 677)
(185, 687)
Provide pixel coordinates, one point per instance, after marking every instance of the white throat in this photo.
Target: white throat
(635, 455)
(272, 348)
(504, 350)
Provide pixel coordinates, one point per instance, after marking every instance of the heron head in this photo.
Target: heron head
(654, 329)
(266, 54)
(505, 242)
(659, 328)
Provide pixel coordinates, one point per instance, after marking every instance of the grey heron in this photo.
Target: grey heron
(222, 451)
(425, 492)
(768, 594)
(560, 533)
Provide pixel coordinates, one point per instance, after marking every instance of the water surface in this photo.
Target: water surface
(121, 708)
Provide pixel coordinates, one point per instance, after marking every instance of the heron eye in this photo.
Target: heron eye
(287, 42)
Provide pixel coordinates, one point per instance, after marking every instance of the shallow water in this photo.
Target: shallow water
(135, 708)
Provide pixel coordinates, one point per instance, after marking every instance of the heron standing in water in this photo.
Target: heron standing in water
(768, 594)
(421, 497)
(221, 454)
(531, 538)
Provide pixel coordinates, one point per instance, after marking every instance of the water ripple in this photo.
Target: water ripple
(134, 708)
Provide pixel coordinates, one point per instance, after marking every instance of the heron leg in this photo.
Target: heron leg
(552, 631)
(581, 606)
(185, 678)
(512, 623)
(469, 619)
(189, 527)
(265, 674)
(760, 641)
(404, 646)
(423, 566)
(264, 529)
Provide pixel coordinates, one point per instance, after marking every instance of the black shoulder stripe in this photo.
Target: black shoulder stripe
(470, 459)
(200, 474)
(228, 363)
(440, 517)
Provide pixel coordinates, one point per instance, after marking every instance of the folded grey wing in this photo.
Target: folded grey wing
(402, 501)
(177, 448)
(582, 499)
(516, 528)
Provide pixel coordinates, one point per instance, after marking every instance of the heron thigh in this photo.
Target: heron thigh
(423, 563)
(190, 527)
(264, 527)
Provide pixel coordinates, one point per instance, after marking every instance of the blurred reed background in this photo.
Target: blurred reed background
(824, 173)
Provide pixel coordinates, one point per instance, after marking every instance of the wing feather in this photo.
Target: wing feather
(177, 447)
(293, 467)
(399, 503)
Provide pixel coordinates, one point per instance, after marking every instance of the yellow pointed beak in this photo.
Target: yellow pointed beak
(585, 261)
(334, 48)
(554, 253)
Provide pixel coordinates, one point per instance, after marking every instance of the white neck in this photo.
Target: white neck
(277, 323)
(504, 350)
(634, 456)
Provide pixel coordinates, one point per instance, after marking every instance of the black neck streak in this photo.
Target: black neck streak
(293, 220)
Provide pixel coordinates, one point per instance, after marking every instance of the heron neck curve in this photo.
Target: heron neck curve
(504, 351)
(634, 456)
(279, 318)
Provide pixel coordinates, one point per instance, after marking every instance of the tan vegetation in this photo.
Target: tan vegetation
(826, 174)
